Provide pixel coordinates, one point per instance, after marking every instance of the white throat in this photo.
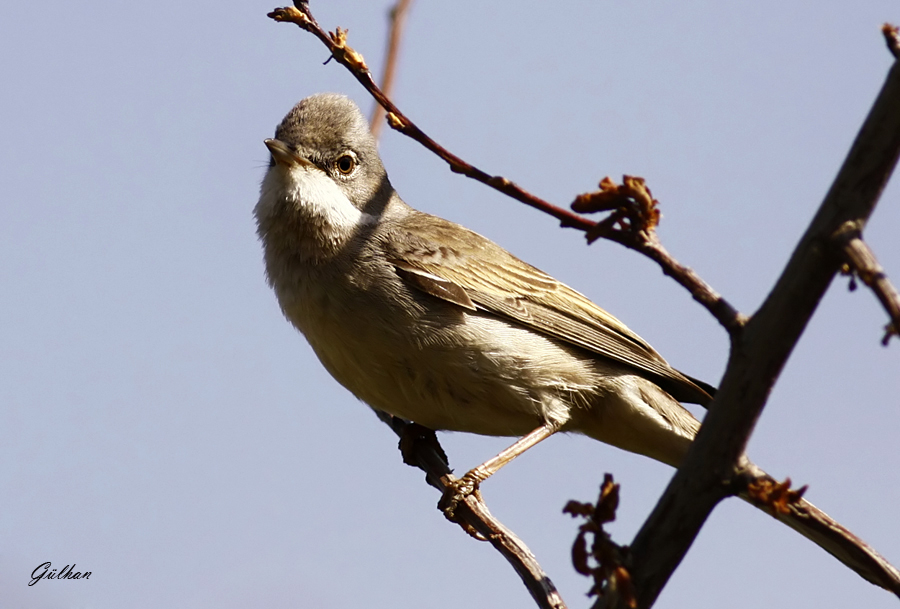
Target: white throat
(312, 194)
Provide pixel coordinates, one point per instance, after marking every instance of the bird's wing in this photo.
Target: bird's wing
(457, 265)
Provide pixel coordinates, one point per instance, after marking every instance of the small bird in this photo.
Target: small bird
(429, 321)
(426, 320)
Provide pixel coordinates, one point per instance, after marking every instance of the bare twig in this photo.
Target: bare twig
(633, 224)
(346, 56)
(397, 15)
(789, 506)
(757, 357)
(862, 261)
(649, 245)
(475, 519)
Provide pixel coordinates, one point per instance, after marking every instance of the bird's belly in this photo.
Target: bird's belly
(439, 388)
(471, 376)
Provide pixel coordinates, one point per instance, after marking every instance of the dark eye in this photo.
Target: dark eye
(345, 164)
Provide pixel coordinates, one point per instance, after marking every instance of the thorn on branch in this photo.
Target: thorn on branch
(892, 38)
(777, 496)
(634, 208)
(605, 560)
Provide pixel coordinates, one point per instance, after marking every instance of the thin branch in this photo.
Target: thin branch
(633, 224)
(474, 518)
(397, 15)
(862, 261)
(336, 43)
(758, 355)
(805, 518)
(749, 361)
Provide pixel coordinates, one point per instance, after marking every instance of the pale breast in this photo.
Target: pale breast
(465, 372)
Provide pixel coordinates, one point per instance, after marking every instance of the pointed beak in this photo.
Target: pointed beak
(284, 155)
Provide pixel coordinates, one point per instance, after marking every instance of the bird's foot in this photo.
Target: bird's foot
(457, 491)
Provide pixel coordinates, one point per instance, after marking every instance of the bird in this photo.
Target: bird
(427, 320)
(424, 319)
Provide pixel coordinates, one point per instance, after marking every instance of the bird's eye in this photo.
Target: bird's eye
(345, 164)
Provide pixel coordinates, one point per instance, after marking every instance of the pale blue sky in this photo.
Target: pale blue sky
(162, 426)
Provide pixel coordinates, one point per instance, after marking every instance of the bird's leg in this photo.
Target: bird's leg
(458, 490)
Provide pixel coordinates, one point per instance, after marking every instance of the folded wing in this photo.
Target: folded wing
(450, 262)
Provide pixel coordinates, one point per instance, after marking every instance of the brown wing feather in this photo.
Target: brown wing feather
(468, 269)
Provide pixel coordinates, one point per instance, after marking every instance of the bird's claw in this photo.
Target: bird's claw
(455, 492)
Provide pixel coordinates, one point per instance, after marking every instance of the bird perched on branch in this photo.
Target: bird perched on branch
(426, 320)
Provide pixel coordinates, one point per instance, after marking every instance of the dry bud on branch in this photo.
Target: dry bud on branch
(605, 562)
(633, 206)
(777, 496)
